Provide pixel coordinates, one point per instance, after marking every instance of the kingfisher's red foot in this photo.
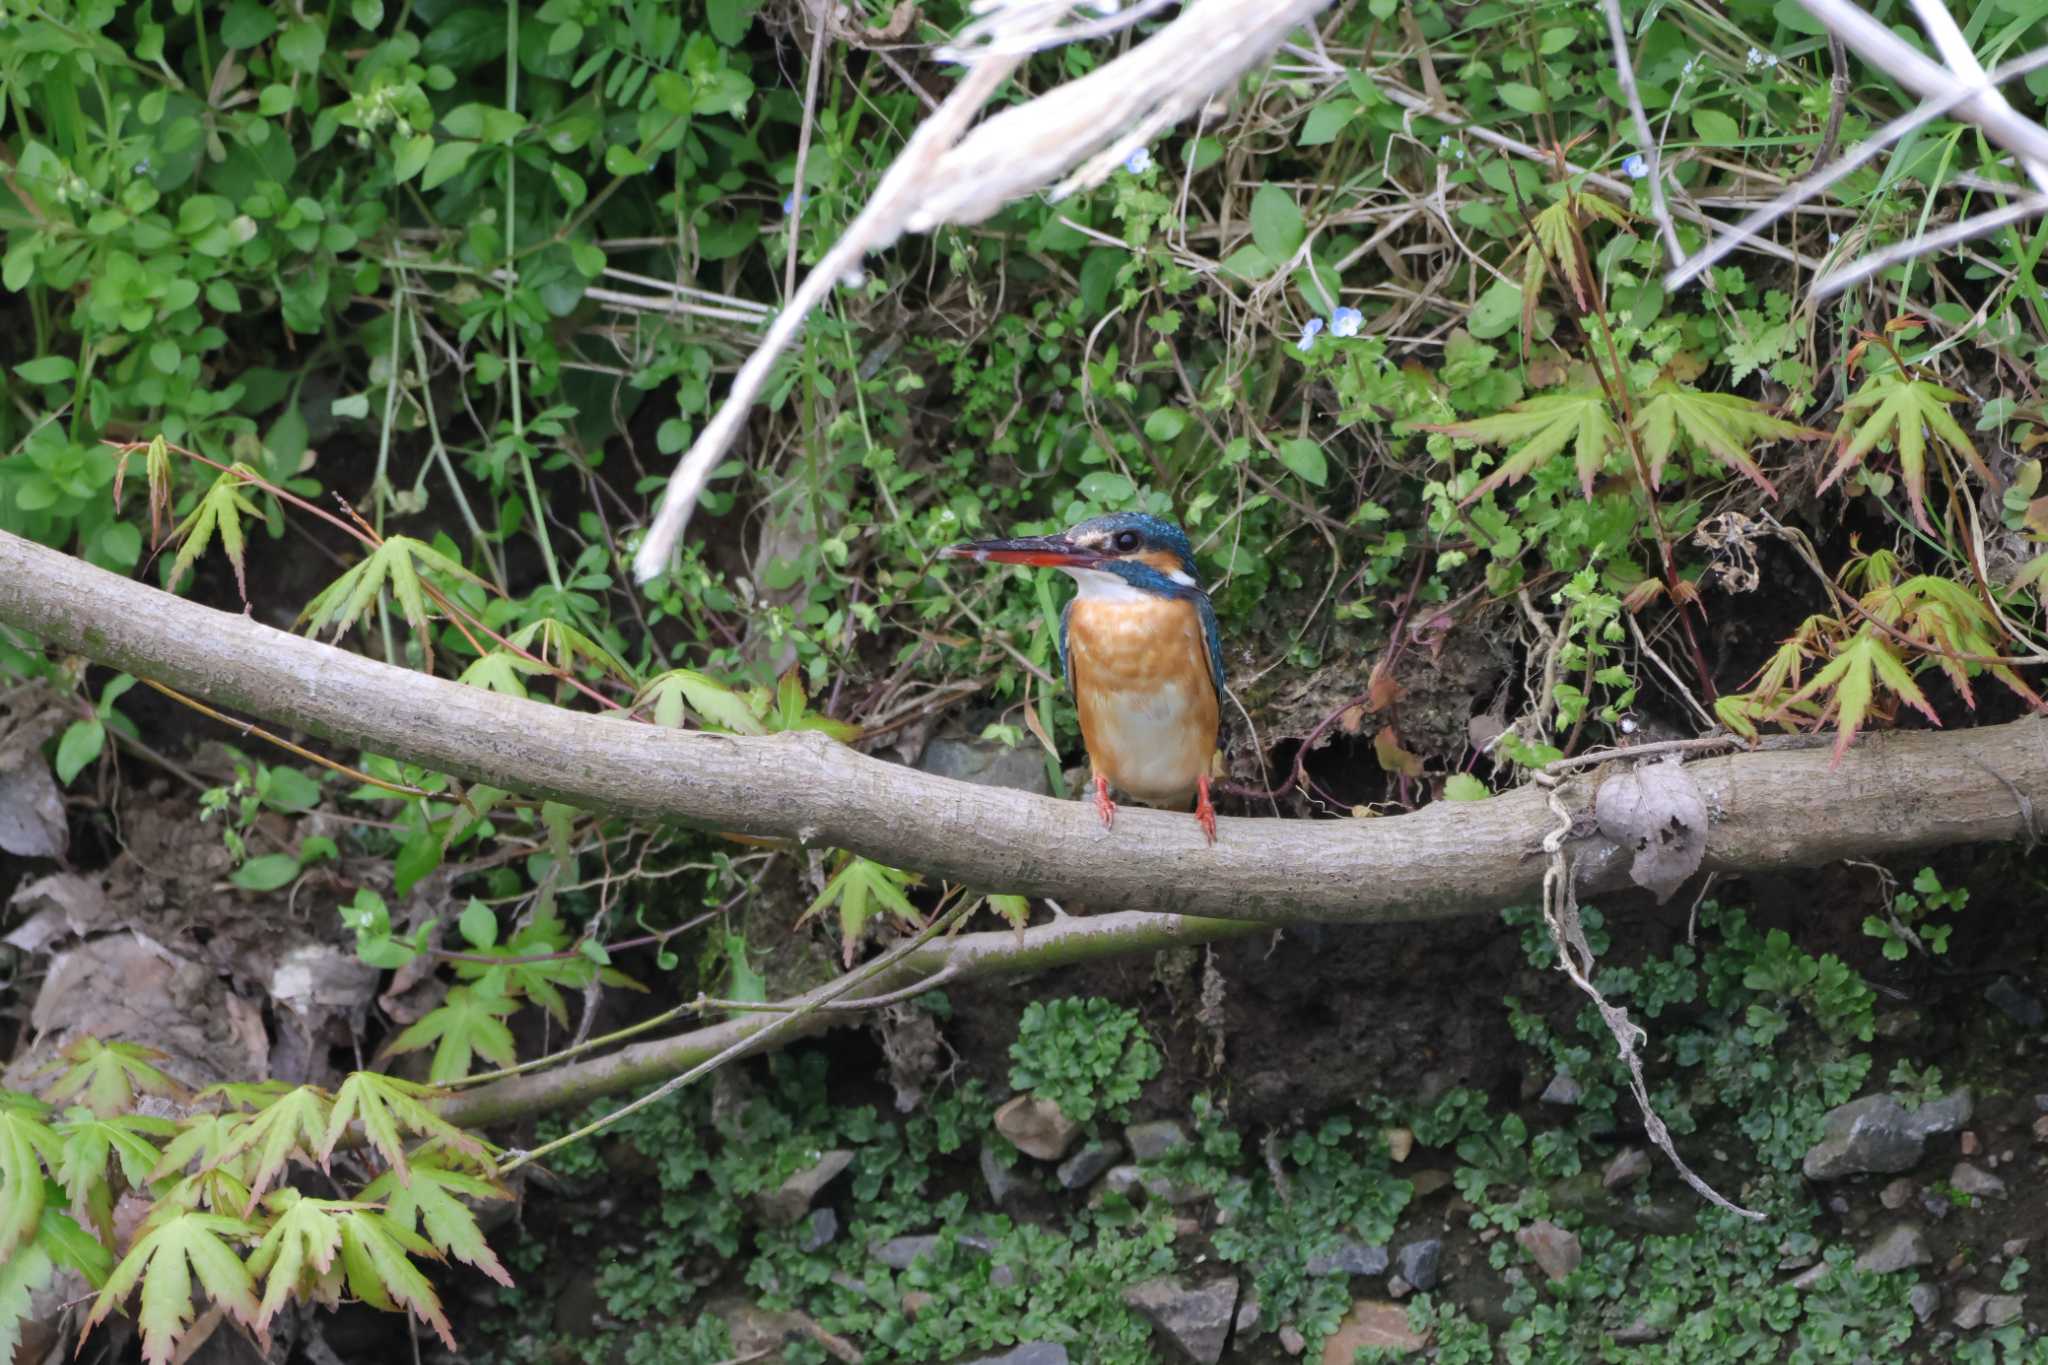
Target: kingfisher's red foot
(1104, 807)
(1204, 812)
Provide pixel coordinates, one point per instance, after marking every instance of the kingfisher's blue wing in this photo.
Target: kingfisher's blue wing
(1212, 641)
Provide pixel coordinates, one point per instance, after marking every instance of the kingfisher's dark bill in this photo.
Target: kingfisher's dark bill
(1047, 552)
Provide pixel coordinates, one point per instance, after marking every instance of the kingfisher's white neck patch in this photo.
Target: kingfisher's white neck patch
(1100, 585)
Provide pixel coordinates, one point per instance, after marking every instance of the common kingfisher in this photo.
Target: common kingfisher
(1141, 654)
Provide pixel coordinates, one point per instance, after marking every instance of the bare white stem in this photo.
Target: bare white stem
(1625, 71)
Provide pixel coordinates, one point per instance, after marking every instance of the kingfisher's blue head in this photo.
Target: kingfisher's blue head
(1108, 555)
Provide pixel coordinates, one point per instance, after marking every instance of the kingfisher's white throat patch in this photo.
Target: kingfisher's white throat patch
(1101, 585)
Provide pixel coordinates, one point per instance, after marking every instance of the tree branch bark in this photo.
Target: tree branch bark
(1891, 794)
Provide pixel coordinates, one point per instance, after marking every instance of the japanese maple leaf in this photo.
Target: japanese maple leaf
(1858, 669)
(1545, 425)
(1907, 411)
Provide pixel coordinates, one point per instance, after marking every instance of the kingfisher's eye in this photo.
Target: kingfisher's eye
(1126, 541)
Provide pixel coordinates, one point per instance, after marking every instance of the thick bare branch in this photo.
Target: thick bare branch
(1775, 809)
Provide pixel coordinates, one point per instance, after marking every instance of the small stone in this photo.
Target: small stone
(1398, 1288)
(1003, 1277)
(1352, 1258)
(1125, 1181)
(1562, 1090)
(1371, 1323)
(1945, 1115)
(1897, 1194)
(2017, 1005)
(1555, 1251)
(1975, 1308)
(1247, 1315)
(1292, 1341)
(821, 1230)
(1967, 1143)
(1400, 1142)
(1973, 1181)
(786, 1204)
(1812, 1276)
(898, 1252)
(1079, 1170)
(1151, 1141)
(2016, 1247)
(1419, 1262)
(1936, 1206)
(1036, 1127)
(1158, 1185)
(1004, 1182)
(2041, 1128)
(1902, 1246)
(1870, 1134)
(1641, 1332)
(915, 1302)
(1196, 1319)
(1925, 1300)
(986, 764)
(1629, 1165)
(1427, 1183)
(1186, 1229)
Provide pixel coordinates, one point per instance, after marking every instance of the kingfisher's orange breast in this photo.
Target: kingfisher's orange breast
(1142, 684)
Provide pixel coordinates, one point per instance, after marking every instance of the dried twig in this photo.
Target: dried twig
(947, 175)
(1625, 70)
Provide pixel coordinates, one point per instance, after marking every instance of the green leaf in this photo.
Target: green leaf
(410, 156)
(266, 873)
(1496, 312)
(1525, 99)
(479, 925)
(445, 162)
(1306, 459)
(1276, 223)
(49, 369)
(1715, 128)
(375, 1254)
(246, 23)
(1327, 120)
(417, 856)
(297, 1255)
(82, 742)
(1465, 787)
(303, 45)
(1165, 424)
(860, 882)
(108, 1076)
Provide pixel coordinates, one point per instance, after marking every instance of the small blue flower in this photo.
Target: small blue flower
(1138, 162)
(1635, 167)
(790, 201)
(1345, 322)
(1308, 334)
